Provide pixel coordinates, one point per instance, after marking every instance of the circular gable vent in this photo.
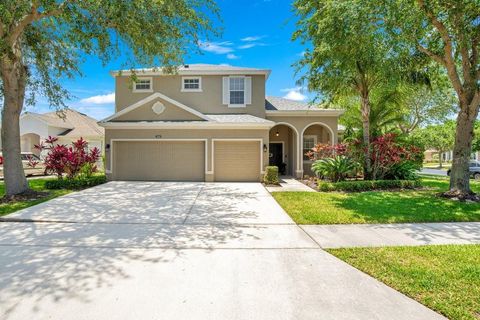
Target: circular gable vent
(158, 107)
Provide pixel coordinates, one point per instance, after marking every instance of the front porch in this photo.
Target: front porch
(287, 147)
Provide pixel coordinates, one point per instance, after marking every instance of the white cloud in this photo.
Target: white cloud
(231, 56)
(251, 45)
(247, 46)
(252, 38)
(99, 99)
(216, 47)
(97, 112)
(301, 54)
(294, 94)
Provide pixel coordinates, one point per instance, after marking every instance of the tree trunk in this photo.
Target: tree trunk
(14, 75)
(460, 175)
(365, 109)
(440, 160)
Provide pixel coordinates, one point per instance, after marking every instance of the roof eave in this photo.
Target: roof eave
(324, 112)
(264, 72)
(180, 125)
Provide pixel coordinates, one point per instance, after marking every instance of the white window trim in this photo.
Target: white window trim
(243, 105)
(314, 144)
(143, 90)
(182, 89)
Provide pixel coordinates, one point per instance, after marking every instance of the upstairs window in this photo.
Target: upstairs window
(237, 91)
(143, 85)
(191, 84)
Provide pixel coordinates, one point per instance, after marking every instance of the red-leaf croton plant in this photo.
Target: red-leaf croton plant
(68, 160)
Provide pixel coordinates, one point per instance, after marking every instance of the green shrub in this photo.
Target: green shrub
(271, 175)
(336, 168)
(358, 186)
(76, 183)
(406, 170)
(86, 171)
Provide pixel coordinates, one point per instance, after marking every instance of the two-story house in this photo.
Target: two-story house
(208, 123)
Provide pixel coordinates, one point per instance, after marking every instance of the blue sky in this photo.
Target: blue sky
(256, 33)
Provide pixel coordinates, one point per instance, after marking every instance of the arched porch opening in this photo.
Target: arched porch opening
(28, 142)
(283, 148)
(313, 134)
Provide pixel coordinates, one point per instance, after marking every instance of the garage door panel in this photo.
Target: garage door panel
(237, 161)
(159, 160)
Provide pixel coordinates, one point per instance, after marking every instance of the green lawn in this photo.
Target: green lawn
(378, 206)
(444, 278)
(35, 184)
(436, 165)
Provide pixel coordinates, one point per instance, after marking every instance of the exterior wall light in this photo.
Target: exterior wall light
(277, 134)
(265, 149)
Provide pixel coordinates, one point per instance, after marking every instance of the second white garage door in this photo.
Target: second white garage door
(159, 160)
(237, 160)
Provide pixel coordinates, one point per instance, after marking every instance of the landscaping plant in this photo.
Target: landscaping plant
(271, 175)
(391, 157)
(335, 169)
(63, 160)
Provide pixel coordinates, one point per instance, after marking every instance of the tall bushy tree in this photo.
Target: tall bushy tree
(440, 137)
(448, 33)
(348, 55)
(44, 40)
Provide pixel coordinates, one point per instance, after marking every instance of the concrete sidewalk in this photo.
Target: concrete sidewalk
(410, 234)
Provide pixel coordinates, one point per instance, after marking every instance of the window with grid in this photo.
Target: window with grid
(308, 143)
(237, 91)
(191, 84)
(143, 85)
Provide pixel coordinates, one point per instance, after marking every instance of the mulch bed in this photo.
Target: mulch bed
(26, 196)
(472, 197)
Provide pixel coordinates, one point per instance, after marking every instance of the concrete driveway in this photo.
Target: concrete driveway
(144, 250)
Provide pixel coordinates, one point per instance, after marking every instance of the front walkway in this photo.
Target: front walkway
(288, 183)
(408, 234)
(146, 250)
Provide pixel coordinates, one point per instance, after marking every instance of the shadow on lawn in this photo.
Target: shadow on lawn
(67, 261)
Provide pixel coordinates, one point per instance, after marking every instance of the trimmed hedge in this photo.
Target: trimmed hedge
(357, 186)
(75, 184)
(271, 175)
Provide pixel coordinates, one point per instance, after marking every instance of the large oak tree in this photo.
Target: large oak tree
(447, 32)
(42, 41)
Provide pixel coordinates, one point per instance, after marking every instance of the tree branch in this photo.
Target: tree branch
(448, 49)
(462, 44)
(434, 56)
(437, 24)
(33, 16)
(474, 57)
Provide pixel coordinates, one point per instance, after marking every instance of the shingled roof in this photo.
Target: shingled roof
(277, 103)
(76, 124)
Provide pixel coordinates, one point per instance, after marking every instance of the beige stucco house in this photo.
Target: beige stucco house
(208, 123)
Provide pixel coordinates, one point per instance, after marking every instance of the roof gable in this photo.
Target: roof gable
(145, 105)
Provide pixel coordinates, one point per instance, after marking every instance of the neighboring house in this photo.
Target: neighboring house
(208, 123)
(68, 127)
(432, 155)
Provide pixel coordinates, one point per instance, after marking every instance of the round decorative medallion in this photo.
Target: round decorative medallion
(158, 107)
